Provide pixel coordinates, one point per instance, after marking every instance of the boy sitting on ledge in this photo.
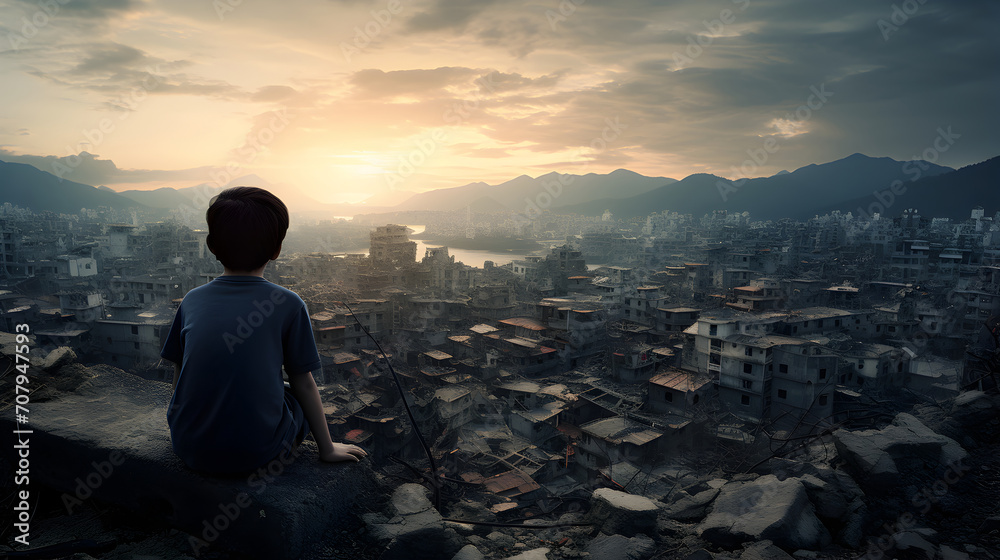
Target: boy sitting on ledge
(231, 412)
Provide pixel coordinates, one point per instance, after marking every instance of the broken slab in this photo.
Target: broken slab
(108, 440)
(534, 554)
(618, 547)
(689, 508)
(622, 513)
(468, 552)
(764, 550)
(764, 509)
(910, 540)
(975, 414)
(57, 358)
(413, 530)
(876, 457)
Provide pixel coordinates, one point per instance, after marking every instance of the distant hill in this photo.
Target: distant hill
(799, 195)
(165, 198)
(844, 185)
(554, 189)
(950, 195)
(29, 187)
(169, 198)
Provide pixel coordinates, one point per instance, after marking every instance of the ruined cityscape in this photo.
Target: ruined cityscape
(671, 386)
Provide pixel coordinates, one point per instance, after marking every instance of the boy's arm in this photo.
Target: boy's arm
(305, 391)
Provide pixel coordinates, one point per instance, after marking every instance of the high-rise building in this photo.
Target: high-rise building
(391, 244)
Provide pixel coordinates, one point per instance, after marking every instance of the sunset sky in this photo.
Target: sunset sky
(332, 96)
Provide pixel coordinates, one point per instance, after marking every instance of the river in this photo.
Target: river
(471, 257)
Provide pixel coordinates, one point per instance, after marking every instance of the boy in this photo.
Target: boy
(231, 412)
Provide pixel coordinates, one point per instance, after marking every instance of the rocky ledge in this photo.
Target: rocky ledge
(100, 434)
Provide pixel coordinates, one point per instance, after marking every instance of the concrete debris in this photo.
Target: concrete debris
(764, 550)
(56, 359)
(948, 553)
(622, 513)
(973, 414)
(766, 508)
(617, 547)
(468, 552)
(911, 541)
(415, 529)
(502, 540)
(535, 554)
(690, 508)
(876, 457)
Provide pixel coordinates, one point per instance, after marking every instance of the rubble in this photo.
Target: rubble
(764, 550)
(618, 547)
(534, 554)
(622, 513)
(630, 398)
(468, 552)
(909, 540)
(690, 508)
(765, 508)
(412, 528)
(876, 457)
(973, 415)
(57, 358)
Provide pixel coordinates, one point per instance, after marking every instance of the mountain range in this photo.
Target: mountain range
(814, 189)
(849, 184)
(28, 187)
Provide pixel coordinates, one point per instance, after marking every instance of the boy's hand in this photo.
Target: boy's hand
(343, 452)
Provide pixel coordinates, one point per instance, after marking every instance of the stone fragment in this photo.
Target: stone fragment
(622, 513)
(764, 509)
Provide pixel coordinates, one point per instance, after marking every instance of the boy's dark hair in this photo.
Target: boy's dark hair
(246, 226)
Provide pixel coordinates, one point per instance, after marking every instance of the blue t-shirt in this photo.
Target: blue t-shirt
(231, 338)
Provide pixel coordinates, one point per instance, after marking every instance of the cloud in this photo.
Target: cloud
(83, 9)
(111, 59)
(448, 15)
(273, 93)
(92, 9)
(374, 82)
(115, 70)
